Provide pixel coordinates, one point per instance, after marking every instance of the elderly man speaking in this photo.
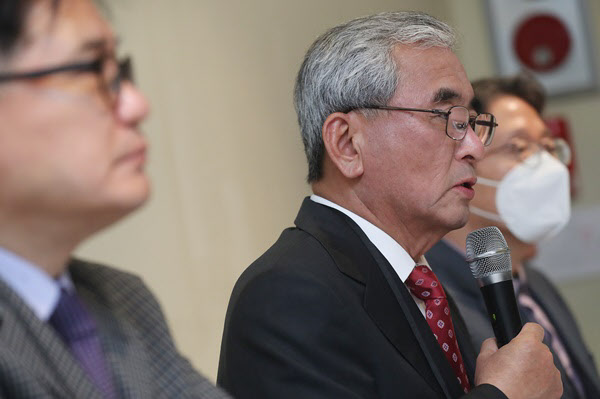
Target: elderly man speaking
(344, 305)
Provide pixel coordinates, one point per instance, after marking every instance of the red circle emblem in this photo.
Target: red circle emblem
(542, 42)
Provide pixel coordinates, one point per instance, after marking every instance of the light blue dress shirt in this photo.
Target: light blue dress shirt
(33, 285)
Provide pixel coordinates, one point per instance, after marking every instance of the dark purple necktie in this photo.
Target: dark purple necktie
(75, 325)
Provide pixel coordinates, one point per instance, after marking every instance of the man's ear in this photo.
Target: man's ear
(343, 143)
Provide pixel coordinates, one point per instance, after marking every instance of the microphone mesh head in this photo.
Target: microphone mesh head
(487, 239)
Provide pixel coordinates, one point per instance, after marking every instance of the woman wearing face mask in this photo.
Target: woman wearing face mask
(523, 188)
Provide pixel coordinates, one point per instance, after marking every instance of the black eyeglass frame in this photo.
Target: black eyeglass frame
(96, 66)
(446, 114)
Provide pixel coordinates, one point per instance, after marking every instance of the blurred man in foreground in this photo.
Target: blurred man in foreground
(71, 163)
(523, 188)
(344, 304)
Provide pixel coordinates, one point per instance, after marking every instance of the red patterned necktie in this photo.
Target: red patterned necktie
(423, 284)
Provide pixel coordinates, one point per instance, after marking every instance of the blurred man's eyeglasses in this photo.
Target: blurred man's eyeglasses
(112, 72)
(519, 149)
(458, 119)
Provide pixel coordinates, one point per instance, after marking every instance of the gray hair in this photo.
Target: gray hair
(352, 66)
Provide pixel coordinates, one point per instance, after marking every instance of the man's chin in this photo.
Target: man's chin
(130, 198)
(459, 220)
(114, 211)
(137, 198)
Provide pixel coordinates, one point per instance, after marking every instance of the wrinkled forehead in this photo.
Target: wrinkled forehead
(59, 30)
(432, 77)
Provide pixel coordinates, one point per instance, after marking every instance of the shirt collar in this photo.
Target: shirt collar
(400, 260)
(35, 287)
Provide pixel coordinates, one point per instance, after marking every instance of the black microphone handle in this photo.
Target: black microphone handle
(503, 311)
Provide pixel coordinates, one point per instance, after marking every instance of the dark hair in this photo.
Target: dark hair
(12, 17)
(524, 85)
(12, 20)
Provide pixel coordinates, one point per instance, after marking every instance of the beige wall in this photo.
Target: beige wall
(226, 157)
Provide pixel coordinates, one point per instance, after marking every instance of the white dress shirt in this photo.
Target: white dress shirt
(34, 286)
(400, 260)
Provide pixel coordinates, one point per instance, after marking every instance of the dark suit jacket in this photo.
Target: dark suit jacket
(323, 315)
(451, 268)
(34, 361)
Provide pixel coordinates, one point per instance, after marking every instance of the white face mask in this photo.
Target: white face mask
(532, 199)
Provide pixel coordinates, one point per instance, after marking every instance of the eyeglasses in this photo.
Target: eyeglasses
(112, 72)
(520, 149)
(458, 120)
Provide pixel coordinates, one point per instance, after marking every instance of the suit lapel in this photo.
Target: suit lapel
(386, 300)
(563, 322)
(39, 350)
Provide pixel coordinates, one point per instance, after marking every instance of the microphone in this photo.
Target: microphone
(488, 256)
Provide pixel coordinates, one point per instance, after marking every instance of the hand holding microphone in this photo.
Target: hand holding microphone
(522, 369)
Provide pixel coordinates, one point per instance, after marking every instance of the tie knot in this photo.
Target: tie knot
(424, 284)
(71, 319)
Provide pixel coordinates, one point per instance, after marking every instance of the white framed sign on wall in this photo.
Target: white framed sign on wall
(549, 38)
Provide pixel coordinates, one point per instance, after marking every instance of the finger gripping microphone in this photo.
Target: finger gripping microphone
(488, 256)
